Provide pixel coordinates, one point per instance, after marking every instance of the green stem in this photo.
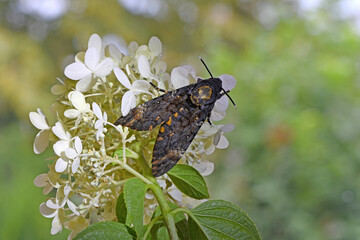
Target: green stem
(166, 211)
(151, 224)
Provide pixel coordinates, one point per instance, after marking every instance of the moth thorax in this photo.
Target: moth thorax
(201, 95)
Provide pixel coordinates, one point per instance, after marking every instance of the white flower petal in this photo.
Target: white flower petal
(217, 138)
(38, 119)
(60, 146)
(115, 53)
(67, 190)
(76, 71)
(223, 143)
(92, 57)
(217, 116)
(97, 111)
(41, 141)
(190, 69)
(95, 42)
(61, 165)
(47, 189)
(78, 145)
(42, 180)
(46, 211)
(71, 153)
(77, 99)
(228, 82)
(162, 183)
(179, 77)
(133, 46)
(128, 102)
(149, 195)
(221, 104)
(105, 117)
(228, 128)
(59, 131)
(72, 113)
(75, 165)
(72, 207)
(55, 225)
(52, 204)
(58, 89)
(86, 83)
(144, 66)
(155, 46)
(141, 85)
(98, 124)
(122, 77)
(175, 193)
(204, 168)
(104, 68)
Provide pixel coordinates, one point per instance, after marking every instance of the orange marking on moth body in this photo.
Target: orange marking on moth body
(176, 114)
(157, 118)
(150, 128)
(171, 134)
(160, 139)
(162, 129)
(169, 121)
(181, 109)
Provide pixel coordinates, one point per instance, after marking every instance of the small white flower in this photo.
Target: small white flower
(81, 107)
(61, 146)
(51, 209)
(41, 141)
(102, 119)
(74, 154)
(129, 100)
(93, 66)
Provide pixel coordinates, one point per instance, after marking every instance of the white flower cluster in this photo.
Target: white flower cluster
(102, 85)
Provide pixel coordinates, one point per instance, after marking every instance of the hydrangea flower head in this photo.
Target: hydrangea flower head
(90, 153)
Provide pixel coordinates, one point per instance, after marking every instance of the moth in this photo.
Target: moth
(180, 114)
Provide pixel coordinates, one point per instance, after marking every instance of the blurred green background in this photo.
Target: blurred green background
(293, 160)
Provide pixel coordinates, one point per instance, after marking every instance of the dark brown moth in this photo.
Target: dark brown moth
(180, 113)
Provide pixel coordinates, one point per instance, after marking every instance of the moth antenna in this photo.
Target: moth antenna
(232, 101)
(206, 66)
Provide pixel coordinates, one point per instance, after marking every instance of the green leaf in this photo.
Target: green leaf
(183, 230)
(189, 181)
(121, 210)
(105, 231)
(128, 152)
(134, 193)
(218, 219)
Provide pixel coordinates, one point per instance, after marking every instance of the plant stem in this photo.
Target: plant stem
(165, 209)
(151, 224)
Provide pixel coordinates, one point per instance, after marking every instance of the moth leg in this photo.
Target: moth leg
(159, 89)
(208, 119)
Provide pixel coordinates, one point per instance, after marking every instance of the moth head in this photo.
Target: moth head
(206, 93)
